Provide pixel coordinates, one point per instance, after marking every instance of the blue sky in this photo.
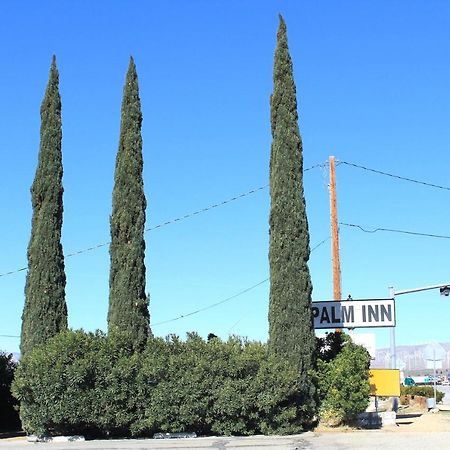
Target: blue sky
(373, 89)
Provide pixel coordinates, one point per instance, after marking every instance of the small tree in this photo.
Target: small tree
(128, 303)
(45, 310)
(343, 381)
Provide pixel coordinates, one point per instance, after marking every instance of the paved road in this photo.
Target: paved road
(376, 439)
(426, 431)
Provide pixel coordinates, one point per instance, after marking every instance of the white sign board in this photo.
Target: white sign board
(367, 340)
(354, 313)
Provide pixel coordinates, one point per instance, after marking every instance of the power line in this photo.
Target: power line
(212, 305)
(380, 172)
(391, 230)
(13, 272)
(246, 314)
(172, 221)
(244, 291)
(228, 298)
(320, 243)
(208, 208)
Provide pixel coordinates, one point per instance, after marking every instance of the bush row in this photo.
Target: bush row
(96, 385)
(423, 391)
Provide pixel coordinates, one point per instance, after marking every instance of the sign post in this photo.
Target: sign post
(434, 352)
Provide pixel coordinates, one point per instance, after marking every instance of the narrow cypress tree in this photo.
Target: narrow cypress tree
(128, 304)
(45, 311)
(291, 331)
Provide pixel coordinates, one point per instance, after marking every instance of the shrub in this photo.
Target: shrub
(79, 383)
(9, 416)
(56, 384)
(423, 391)
(343, 383)
(84, 383)
(218, 387)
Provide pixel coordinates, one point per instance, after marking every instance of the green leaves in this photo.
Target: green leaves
(45, 310)
(423, 391)
(291, 333)
(128, 302)
(84, 383)
(343, 379)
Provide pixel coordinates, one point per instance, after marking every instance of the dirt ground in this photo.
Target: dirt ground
(428, 421)
(409, 420)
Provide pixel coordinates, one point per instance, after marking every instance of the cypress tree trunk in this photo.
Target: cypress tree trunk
(128, 304)
(291, 331)
(45, 311)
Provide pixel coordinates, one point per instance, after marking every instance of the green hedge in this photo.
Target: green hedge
(423, 391)
(95, 385)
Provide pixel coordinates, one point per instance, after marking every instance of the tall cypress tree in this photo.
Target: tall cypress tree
(45, 311)
(128, 304)
(291, 331)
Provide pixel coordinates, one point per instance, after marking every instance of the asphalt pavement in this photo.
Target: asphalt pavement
(376, 439)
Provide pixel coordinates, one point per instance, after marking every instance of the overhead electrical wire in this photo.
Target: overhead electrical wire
(245, 194)
(244, 291)
(172, 221)
(253, 191)
(183, 316)
(391, 230)
(314, 248)
(399, 177)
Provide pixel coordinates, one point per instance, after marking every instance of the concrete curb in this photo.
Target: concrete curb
(33, 438)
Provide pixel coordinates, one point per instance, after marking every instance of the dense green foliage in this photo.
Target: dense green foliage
(45, 311)
(128, 303)
(330, 345)
(97, 385)
(9, 416)
(220, 387)
(343, 379)
(77, 383)
(422, 391)
(291, 331)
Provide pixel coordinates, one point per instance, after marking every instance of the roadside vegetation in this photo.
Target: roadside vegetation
(9, 406)
(129, 383)
(98, 385)
(84, 383)
(342, 379)
(421, 391)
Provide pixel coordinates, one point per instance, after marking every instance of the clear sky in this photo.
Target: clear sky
(373, 89)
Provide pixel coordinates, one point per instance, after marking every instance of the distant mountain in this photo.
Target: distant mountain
(410, 357)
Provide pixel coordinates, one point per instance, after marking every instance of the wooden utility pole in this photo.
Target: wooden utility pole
(337, 294)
